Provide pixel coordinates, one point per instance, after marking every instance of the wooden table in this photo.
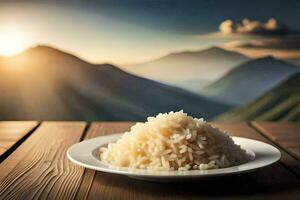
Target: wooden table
(34, 166)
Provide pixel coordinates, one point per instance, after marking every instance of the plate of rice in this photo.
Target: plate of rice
(172, 146)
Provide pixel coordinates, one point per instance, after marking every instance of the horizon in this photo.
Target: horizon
(131, 64)
(128, 66)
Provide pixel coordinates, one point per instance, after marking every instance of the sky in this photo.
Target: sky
(124, 32)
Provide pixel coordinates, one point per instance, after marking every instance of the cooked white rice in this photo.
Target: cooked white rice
(174, 141)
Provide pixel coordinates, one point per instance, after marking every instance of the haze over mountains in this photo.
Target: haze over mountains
(44, 83)
(282, 103)
(249, 80)
(200, 67)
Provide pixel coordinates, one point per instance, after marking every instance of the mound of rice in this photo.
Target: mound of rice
(174, 141)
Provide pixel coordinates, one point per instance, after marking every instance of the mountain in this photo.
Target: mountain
(44, 83)
(282, 103)
(193, 85)
(249, 80)
(177, 68)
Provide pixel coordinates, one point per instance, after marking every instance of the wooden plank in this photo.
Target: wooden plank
(273, 182)
(287, 160)
(285, 135)
(39, 168)
(12, 133)
(97, 129)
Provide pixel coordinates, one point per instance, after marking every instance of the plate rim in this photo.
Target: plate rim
(130, 172)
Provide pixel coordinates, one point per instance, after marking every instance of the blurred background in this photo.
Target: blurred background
(127, 59)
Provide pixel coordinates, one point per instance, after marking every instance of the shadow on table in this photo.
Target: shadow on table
(272, 181)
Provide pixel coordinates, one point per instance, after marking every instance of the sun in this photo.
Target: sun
(12, 41)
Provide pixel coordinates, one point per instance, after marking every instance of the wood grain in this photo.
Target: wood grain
(286, 159)
(39, 169)
(274, 182)
(286, 135)
(12, 133)
(98, 129)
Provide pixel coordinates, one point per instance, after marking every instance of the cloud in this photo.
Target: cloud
(248, 26)
(282, 47)
(282, 43)
(249, 29)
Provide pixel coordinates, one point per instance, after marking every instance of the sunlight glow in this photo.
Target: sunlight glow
(12, 41)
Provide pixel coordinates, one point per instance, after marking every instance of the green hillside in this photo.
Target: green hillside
(250, 80)
(282, 103)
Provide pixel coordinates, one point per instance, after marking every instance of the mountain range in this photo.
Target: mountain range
(44, 83)
(200, 67)
(249, 80)
(281, 103)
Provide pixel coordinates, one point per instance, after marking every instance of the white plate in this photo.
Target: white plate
(86, 154)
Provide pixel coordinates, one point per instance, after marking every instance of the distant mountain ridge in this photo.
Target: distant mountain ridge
(213, 51)
(249, 80)
(181, 67)
(44, 83)
(282, 103)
